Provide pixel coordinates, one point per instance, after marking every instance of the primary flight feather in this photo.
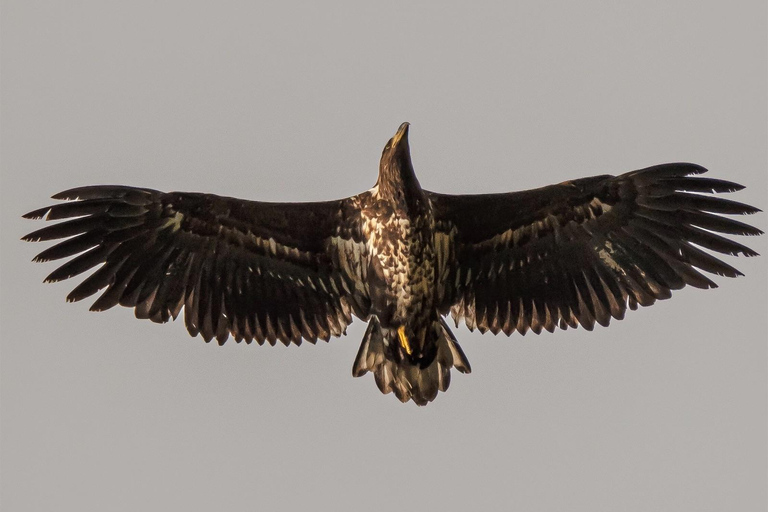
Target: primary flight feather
(399, 257)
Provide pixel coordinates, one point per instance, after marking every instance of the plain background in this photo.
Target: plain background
(665, 410)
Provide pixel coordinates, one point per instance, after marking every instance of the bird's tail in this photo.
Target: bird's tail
(408, 380)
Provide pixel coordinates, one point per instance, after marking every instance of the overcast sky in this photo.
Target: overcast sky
(665, 410)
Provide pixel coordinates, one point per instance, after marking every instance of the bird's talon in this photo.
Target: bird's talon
(404, 339)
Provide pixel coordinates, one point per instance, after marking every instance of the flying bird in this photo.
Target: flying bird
(398, 257)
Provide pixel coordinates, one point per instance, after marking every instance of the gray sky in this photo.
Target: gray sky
(665, 410)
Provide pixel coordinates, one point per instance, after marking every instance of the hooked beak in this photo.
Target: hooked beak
(402, 134)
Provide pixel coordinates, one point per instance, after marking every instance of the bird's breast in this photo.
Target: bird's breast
(402, 264)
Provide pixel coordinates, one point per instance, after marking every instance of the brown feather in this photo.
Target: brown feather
(587, 249)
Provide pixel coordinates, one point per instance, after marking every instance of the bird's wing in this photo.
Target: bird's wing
(260, 271)
(581, 251)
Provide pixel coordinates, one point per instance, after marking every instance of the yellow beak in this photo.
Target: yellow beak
(401, 132)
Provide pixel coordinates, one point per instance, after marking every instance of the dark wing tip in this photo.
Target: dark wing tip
(34, 236)
(36, 214)
(107, 192)
(705, 185)
(672, 169)
(690, 168)
(89, 192)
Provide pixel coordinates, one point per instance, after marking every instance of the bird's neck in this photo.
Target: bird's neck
(397, 184)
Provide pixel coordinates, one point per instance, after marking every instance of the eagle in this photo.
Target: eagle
(399, 257)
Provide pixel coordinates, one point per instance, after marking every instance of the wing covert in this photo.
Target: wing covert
(581, 251)
(259, 271)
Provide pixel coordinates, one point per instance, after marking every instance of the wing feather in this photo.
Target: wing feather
(253, 270)
(581, 252)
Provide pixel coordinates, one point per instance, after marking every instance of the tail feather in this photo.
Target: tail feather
(406, 380)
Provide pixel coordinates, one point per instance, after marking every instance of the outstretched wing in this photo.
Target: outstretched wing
(260, 271)
(581, 251)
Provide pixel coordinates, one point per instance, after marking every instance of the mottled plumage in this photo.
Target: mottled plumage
(399, 257)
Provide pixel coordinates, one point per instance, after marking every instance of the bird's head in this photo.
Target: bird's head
(396, 175)
(398, 148)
